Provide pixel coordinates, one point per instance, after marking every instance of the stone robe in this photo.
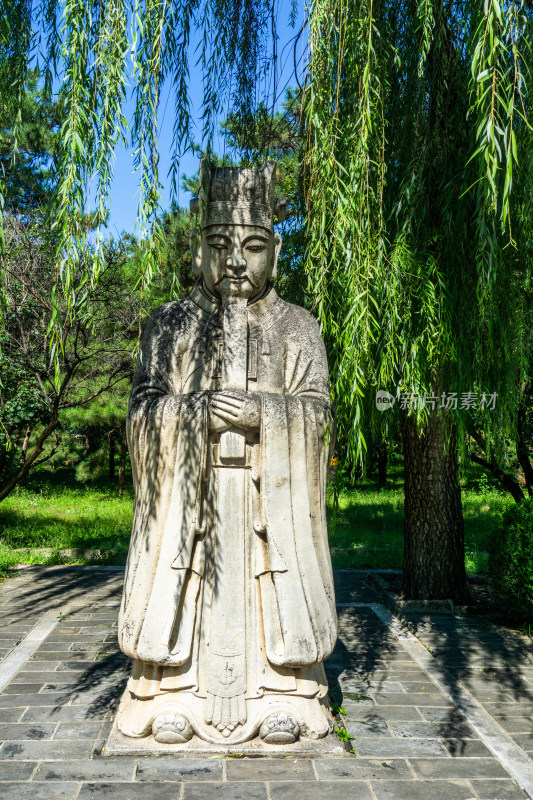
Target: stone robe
(228, 598)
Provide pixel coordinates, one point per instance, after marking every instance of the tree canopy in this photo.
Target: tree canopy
(417, 174)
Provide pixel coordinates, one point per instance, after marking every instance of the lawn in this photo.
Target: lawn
(367, 531)
(53, 511)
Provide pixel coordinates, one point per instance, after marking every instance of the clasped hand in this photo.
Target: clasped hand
(239, 409)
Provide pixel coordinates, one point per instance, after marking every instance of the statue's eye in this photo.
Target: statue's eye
(255, 248)
(218, 246)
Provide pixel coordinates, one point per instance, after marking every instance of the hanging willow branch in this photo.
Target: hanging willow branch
(88, 51)
(419, 165)
(417, 173)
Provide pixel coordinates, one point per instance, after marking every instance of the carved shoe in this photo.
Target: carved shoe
(279, 728)
(171, 728)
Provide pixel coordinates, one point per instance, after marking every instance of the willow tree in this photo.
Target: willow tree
(417, 177)
(419, 190)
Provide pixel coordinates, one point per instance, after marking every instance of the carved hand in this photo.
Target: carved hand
(215, 423)
(241, 409)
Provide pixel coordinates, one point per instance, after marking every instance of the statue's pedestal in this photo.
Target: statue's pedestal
(120, 745)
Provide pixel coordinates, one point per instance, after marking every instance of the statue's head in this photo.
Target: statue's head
(236, 250)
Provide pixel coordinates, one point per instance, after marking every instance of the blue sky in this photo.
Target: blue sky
(124, 194)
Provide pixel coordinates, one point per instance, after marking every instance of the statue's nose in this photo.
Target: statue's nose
(236, 259)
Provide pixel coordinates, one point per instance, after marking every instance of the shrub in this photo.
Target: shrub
(511, 559)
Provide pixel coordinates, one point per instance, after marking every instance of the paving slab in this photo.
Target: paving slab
(498, 790)
(359, 769)
(167, 768)
(270, 769)
(129, 791)
(51, 791)
(226, 791)
(399, 748)
(423, 790)
(16, 771)
(407, 737)
(458, 768)
(320, 791)
(96, 769)
(22, 730)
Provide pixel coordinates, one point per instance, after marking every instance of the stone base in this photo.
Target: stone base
(119, 745)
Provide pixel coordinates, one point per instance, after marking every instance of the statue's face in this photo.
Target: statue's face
(235, 260)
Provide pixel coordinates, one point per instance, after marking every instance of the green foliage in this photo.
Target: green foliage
(94, 357)
(54, 511)
(86, 50)
(418, 192)
(417, 176)
(511, 559)
(28, 142)
(343, 734)
(337, 709)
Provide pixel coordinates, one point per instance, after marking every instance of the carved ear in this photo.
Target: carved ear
(195, 243)
(275, 256)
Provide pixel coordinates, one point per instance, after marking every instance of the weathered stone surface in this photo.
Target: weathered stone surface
(270, 769)
(182, 769)
(228, 608)
(398, 748)
(458, 768)
(413, 699)
(129, 791)
(56, 714)
(362, 769)
(466, 748)
(320, 791)
(16, 770)
(43, 791)
(100, 769)
(368, 728)
(47, 749)
(422, 790)
(363, 713)
(234, 790)
(429, 730)
(21, 700)
(498, 790)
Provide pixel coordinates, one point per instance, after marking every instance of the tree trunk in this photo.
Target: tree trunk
(25, 443)
(506, 480)
(112, 449)
(382, 464)
(19, 476)
(522, 451)
(122, 463)
(434, 559)
(47, 431)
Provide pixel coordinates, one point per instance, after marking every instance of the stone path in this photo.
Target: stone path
(409, 739)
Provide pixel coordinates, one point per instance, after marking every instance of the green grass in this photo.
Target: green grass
(53, 511)
(369, 524)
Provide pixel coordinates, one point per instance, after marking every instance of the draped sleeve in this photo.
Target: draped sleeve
(167, 440)
(298, 602)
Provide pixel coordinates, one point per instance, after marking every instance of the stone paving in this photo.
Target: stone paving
(409, 741)
(495, 664)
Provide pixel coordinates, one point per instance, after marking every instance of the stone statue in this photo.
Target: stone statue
(228, 608)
